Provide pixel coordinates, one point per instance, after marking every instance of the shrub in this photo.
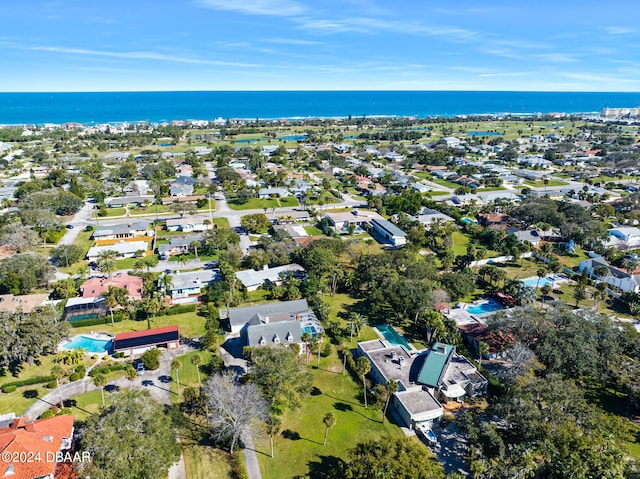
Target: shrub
(119, 354)
(76, 376)
(80, 368)
(151, 359)
(29, 382)
(107, 369)
(89, 228)
(9, 389)
(47, 414)
(180, 309)
(51, 384)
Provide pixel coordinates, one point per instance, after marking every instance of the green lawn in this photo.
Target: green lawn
(190, 256)
(190, 324)
(257, 203)
(128, 263)
(187, 373)
(550, 183)
(491, 188)
(460, 243)
(437, 193)
(313, 231)
(87, 404)
(446, 184)
(113, 212)
(205, 462)
(299, 449)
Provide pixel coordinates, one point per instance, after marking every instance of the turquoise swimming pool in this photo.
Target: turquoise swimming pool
(392, 336)
(91, 345)
(489, 306)
(533, 282)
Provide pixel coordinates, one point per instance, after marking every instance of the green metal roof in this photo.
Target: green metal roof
(434, 364)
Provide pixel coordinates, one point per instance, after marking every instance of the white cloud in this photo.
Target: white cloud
(556, 57)
(138, 56)
(619, 30)
(283, 8)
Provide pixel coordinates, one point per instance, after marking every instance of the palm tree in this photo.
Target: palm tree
(356, 321)
(363, 366)
(111, 300)
(100, 380)
(274, 426)
(165, 282)
(107, 266)
(194, 245)
(329, 421)
(391, 387)
(196, 360)
(130, 374)
(555, 266)
(176, 365)
(152, 305)
(483, 348)
(542, 271)
(57, 372)
(306, 339)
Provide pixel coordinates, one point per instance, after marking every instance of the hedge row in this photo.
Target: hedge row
(96, 321)
(107, 369)
(27, 382)
(179, 309)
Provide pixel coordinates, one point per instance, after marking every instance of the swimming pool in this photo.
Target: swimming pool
(92, 345)
(392, 336)
(533, 282)
(489, 306)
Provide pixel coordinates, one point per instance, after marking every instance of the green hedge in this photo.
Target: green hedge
(76, 376)
(9, 389)
(96, 321)
(28, 382)
(180, 309)
(107, 369)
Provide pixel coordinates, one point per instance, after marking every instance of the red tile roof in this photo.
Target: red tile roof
(94, 287)
(36, 442)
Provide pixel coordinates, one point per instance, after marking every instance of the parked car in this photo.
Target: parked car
(140, 369)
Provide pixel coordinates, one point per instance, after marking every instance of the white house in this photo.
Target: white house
(624, 238)
(614, 277)
(253, 279)
(189, 224)
(127, 249)
(388, 232)
(191, 283)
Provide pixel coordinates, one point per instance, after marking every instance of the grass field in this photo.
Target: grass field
(299, 451)
(190, 324)
(541, 184)
(257, 203)
(313, 231)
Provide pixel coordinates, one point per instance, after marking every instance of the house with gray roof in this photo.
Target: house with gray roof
(614, 277)
(253, 279)
(265, 331)
(179, 189)
(237, 318)
(191, 283)
(387, 232)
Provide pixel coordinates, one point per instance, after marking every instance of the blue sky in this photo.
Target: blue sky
(115, 45)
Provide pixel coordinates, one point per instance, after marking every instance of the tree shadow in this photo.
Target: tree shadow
(315, 391)
(291, 435)
(343, 407)
(30, 394)
(326, 467)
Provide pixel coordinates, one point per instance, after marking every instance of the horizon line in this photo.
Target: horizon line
(316, 90)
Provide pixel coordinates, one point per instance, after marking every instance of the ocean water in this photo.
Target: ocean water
(113, 107)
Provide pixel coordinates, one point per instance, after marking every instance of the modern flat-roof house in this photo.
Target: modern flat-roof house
(133, 199)
(191, 283)
(359, 218)
(624, 238)
(34, 445)
(137, 342)
(124, 249)
(237, 318)
(388, 232)
(253, 279)
(94, 287)
(424, 379)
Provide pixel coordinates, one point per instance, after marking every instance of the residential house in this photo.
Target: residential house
(191, 283)
(139, 228)
(253, 279)
(137, 342)
(531, 236)
(190, 224)
(237, 318)
(394, 157)
(624, 238)
(178, 245)
(31, 448)
(493, 220)
(265, 193)
(476, 332)
(360, 219)
(123, 249)
(167, 200)
(130, 199)
(428, 216)
(179, 189)
(95, 287)
(614, 277)
(387, 232)
(25, 302)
